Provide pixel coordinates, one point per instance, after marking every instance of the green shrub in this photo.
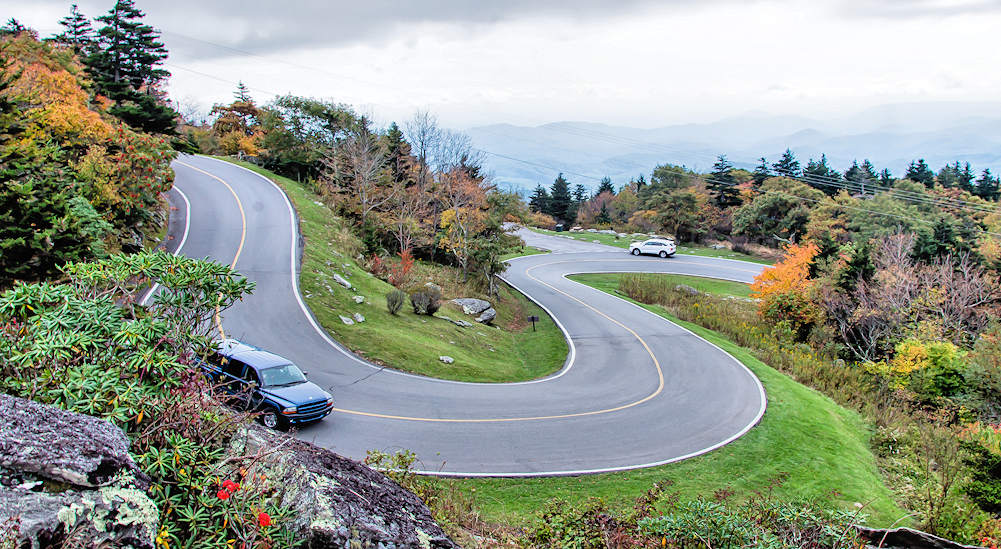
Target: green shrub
(394, 301)
(427, 301)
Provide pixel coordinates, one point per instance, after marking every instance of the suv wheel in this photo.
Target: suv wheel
(636, 251)
(663, 254)
(273, 420)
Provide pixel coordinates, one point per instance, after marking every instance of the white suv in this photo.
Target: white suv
(664, 247)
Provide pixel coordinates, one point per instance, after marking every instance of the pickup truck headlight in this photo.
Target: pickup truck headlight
(290, 410)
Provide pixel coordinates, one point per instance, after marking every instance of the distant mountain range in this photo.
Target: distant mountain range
(891, 136)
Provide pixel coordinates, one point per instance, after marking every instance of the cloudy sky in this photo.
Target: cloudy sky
(632, 62)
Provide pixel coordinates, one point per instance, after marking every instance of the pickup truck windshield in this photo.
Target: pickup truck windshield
(286, 374)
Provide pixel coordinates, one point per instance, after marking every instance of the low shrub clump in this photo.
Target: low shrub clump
(394, 301)
(426, 301)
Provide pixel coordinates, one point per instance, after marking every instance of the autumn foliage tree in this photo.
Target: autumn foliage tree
(786, 290)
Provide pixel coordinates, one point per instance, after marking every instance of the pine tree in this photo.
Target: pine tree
(722, 185)
(819, 175)
(13, 28)
(539, 202)
(579, 194)
(948, 176)
(787, 166)
(242, 94)
(561, 204)
(761, 173)
(603, 218)
(124, 65)
(988, 186)
(861, 178)
(605, 186)
(920, 172)
(966, 178)
(397, 154)
(886, 178)
(79, 33)
(640, 183)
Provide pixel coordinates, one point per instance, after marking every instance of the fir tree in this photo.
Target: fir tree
(605, 186)
(761, 173)
(886, 178)
(242, 94)
(966, 179)
(988, 186)
(539, 202)
(640, 183)
(124, 63)
(948, 176)
(819, 175)
(579, 194)
(13, 28)
(722, 185)
(561, 204)
(603, 218)
(79, 33)
(397, 154)
(787, 166)
(920, 172)
(861, 178)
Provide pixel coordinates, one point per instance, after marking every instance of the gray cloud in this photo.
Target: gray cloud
(910, 9)
(205, 28)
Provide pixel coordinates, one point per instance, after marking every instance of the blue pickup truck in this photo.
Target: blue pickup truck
(263, 382)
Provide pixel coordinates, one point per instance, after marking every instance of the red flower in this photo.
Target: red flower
(263, 519)
(222, 494)
(230, 486)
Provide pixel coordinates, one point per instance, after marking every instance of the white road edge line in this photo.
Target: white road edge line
(184, 238)
(323, 334)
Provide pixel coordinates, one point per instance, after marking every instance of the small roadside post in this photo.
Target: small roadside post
(533, 319)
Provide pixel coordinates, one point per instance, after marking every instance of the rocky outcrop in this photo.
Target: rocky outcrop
(472, 306)
(67, 479)
(486, 317)
(338, 502)
(906, 538)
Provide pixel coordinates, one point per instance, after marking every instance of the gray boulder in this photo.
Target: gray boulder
(59, 445)
(684, 288)
(358, 317)
(67, 480)
(472, 306)
(359, 299)
(341, 280)
(337, 502)
(487, 316)
(346, 320)
(906, 538)
(446, 359)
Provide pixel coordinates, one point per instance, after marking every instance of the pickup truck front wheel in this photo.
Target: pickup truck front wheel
(272, 419)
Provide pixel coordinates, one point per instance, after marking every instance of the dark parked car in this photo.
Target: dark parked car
(264, 382)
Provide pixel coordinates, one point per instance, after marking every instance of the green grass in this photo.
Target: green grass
(527, 250)
(713, 286)
(510, 352)
(684, 249)
(823, 448)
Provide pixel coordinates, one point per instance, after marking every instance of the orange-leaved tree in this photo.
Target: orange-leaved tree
(787, 292)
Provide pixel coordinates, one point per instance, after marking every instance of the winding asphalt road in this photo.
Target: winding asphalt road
(635, 391)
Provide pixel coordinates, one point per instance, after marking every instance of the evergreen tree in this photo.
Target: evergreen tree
(242, 94)
(640, 183)
(988, 186)
(820, 176)
(13, 28)
(605, 186)
(886, 178)
(78, 32)
(761, 173)
(966, 179)
(539, 202)
(787, 166)
(561, 204)
(948, 176)
(124, 64)
(603, 218)
(920, 172)
(397, 154)
(861, 178)
(722, 185)
(579, 194)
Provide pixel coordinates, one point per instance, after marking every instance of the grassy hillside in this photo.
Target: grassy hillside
(821, 447)
(511, 351)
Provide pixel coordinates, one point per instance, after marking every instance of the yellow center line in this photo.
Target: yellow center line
(656, 363)
(243, 234)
